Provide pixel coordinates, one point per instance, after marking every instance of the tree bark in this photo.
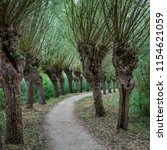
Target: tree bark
(11, 71)
(12, 92)
(59, 75)
(109, 86)
(91, 60)
(124, 61)
(70, 79)
(40, 89)
(79, 81)
(33, 79)
(53, 78)
(30, 92)
(98, 102)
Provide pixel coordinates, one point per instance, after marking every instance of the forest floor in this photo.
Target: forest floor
(73, 127)
(63, 130)
(33, 120)
(104, 129)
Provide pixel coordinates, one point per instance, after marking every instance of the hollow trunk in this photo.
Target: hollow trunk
(11, 71)
(91, 64)
(109, 86)
(40, 89)
(70, 79)
(124, 61)
(52, 76)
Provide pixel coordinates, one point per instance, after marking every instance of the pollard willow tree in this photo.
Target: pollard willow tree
(52, 57)
(59, 55)
(92, 42)
(128, 24)
(12, 13)
(33, 33)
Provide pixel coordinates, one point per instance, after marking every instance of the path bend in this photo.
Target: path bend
(64, 132)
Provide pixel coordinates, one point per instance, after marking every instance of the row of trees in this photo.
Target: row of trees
(99, 40)
(98, 26)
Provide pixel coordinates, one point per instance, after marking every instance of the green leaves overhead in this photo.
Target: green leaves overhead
(34, 29)
(127, 21)
(13, 12)
(86, 21)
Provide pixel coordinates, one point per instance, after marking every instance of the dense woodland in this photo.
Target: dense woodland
(54, 47)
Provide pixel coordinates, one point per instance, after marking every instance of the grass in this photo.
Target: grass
(104, 129)
(34, 138)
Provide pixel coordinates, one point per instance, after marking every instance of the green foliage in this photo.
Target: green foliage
(2, 99)
(139, 103)
(48, 87)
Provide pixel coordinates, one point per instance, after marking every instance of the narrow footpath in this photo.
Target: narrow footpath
(63, 130)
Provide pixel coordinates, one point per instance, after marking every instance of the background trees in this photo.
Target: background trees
(128, 23)
(95, 41)
(92, 43)
(12, 13)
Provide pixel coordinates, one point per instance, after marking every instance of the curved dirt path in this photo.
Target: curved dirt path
(64, 132)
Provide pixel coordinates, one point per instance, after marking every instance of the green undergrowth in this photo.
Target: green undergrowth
(33, 121)
(104, 128)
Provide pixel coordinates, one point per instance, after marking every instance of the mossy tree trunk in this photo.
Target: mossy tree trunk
(11, 73)
(125, 62)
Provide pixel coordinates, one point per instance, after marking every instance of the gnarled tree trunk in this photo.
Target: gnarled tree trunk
(33, 79)
(91, 64)
(70, 79)
(124, 62)
(11, 71)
